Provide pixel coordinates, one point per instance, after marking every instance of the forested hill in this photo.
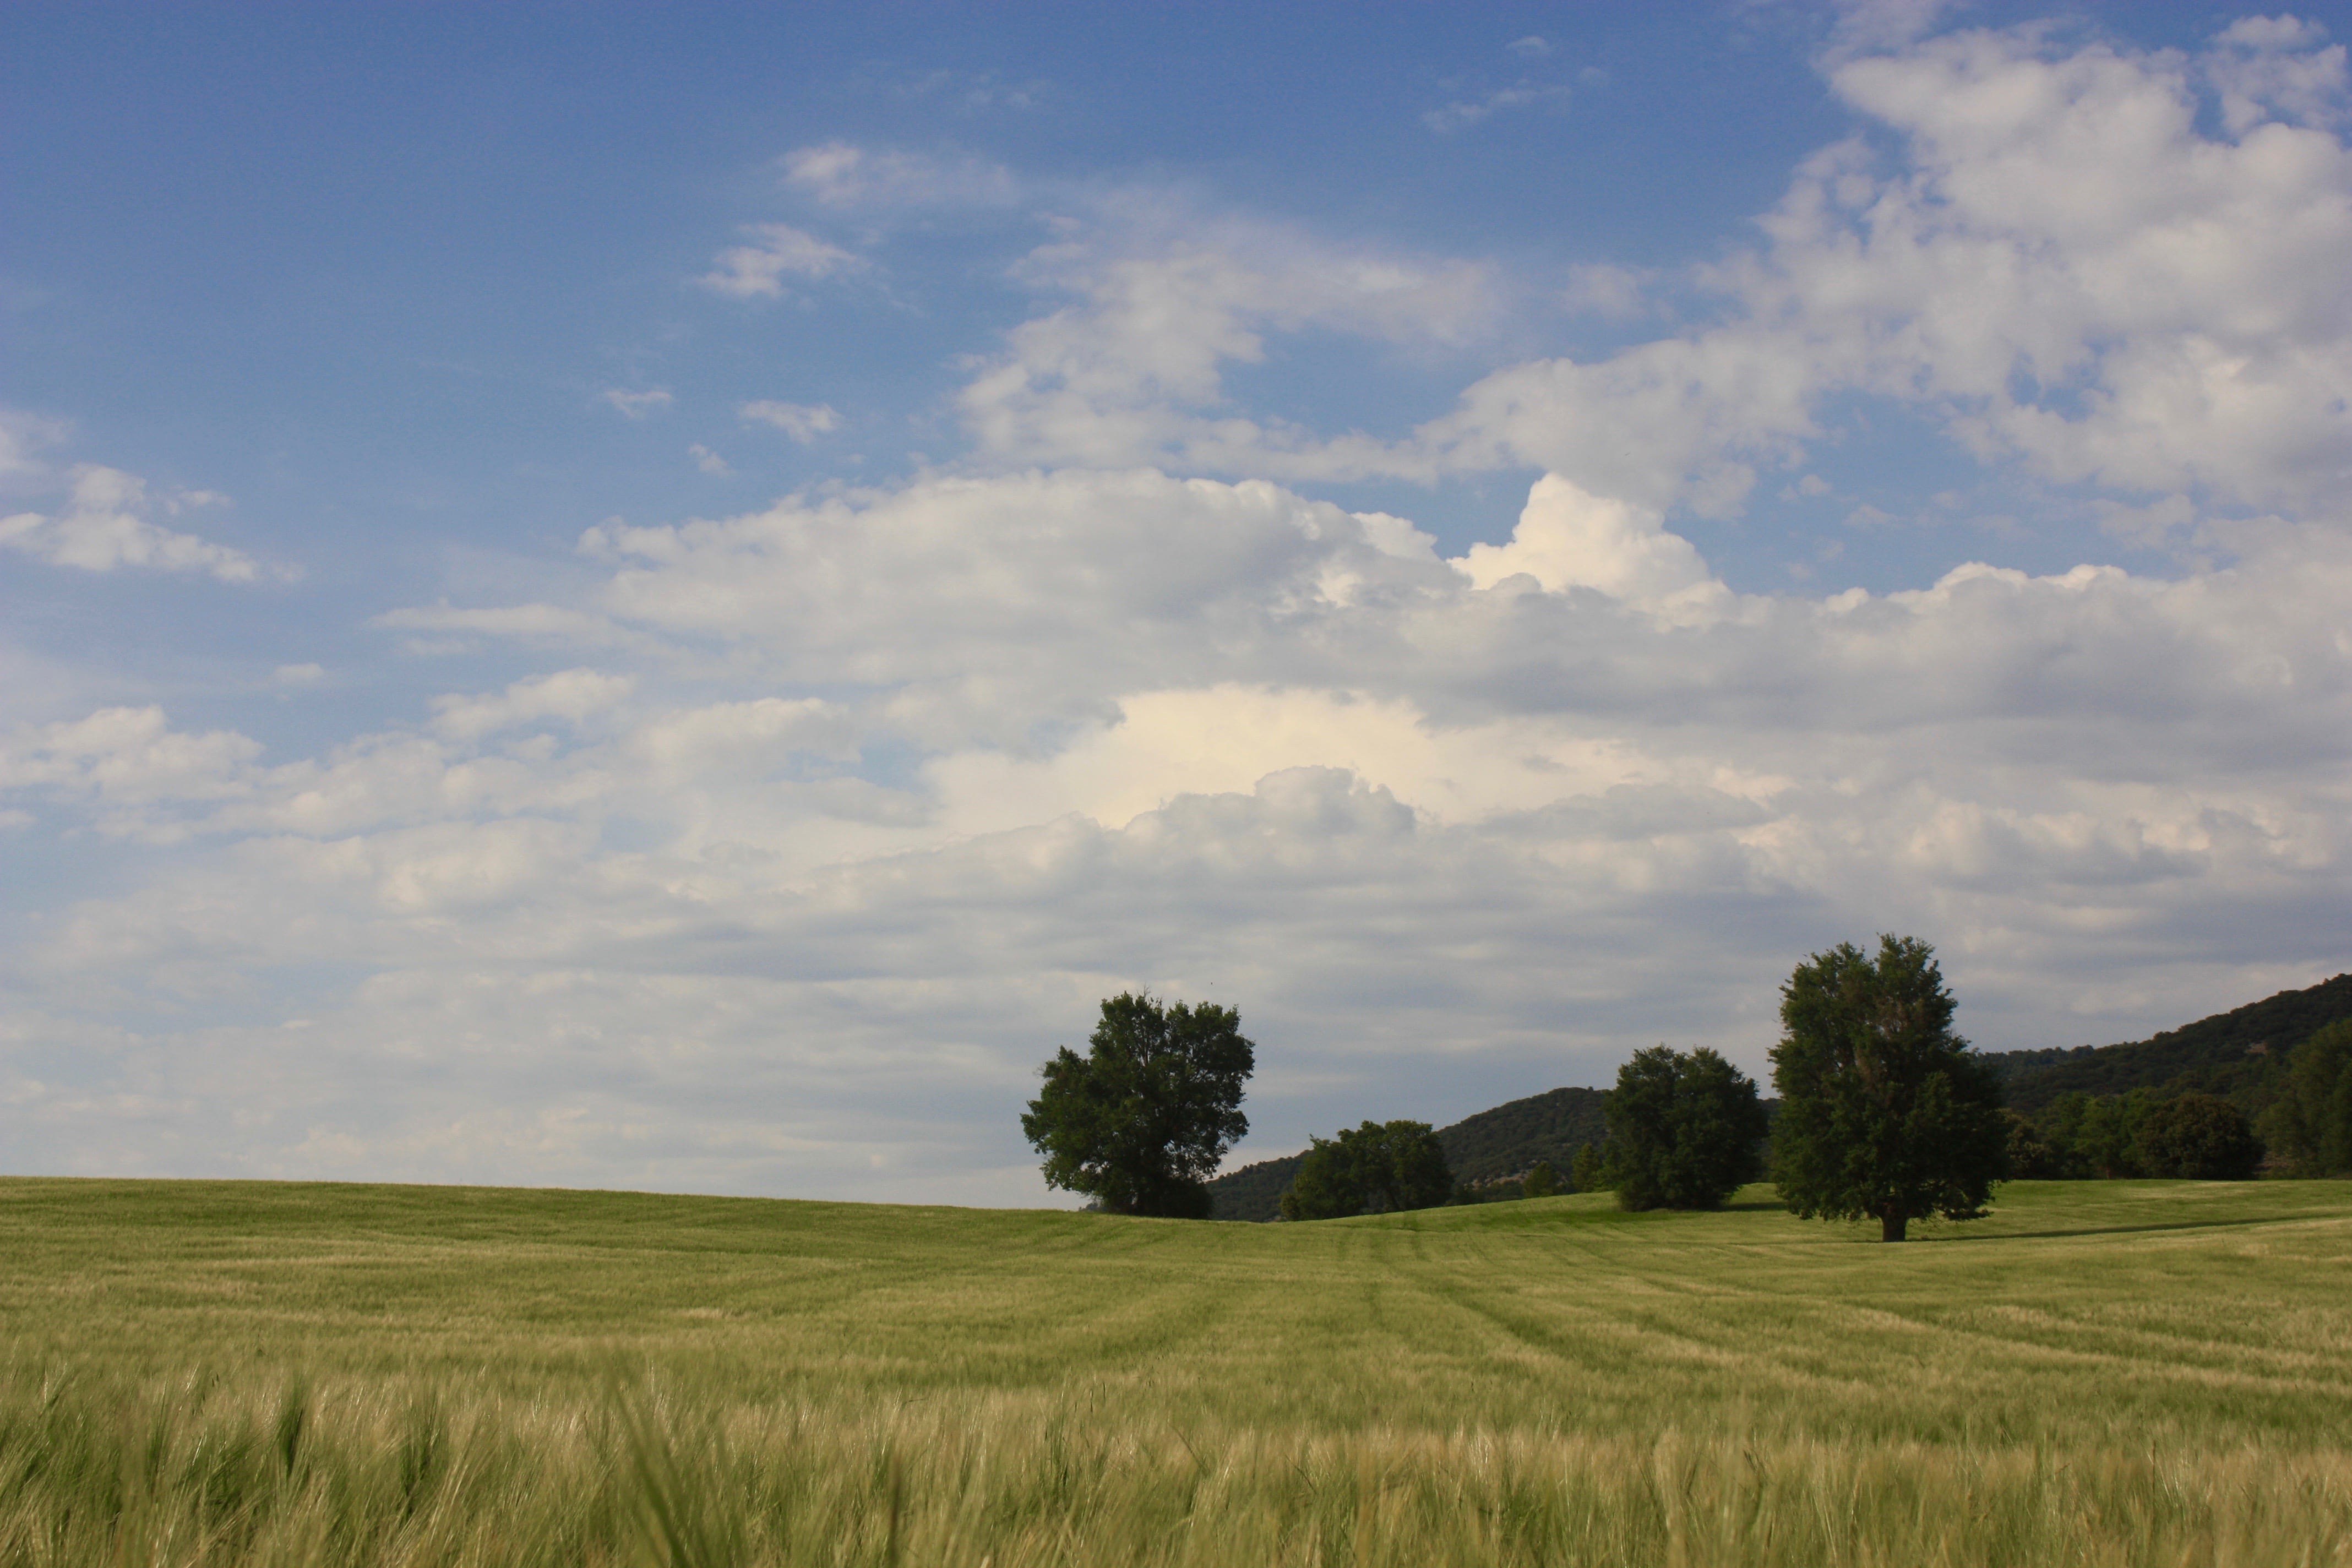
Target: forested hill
(1504, 1141)
(2217, 1055)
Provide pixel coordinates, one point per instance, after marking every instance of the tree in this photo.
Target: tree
(1142, 1120)
(2031, 1158)
(1683, 1131)
(2311, 1125)
(2106, 1133)
(1885, 1113)
(1377, 1168)
(1541, 1183)
(1586, 1170)
(2200, 1137)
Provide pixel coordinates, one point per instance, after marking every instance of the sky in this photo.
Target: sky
(667, 598)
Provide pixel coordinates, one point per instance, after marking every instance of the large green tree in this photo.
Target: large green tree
(1683, 1130)
(1885, 1113)
(1377, 1168)
(1140, 1120)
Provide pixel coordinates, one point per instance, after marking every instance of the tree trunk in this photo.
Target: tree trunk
(1892, 1224)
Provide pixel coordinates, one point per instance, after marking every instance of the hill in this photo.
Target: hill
(2226, 1052)
(1490, 1146)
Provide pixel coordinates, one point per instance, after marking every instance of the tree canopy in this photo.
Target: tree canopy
(2201, 1137)
(1377, 1168)
(1885, 1113)
(1140, 1122)
(1683, 1130)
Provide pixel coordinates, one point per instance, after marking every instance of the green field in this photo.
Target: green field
(2125, 1372)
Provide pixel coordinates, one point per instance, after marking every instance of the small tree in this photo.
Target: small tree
(2201, 1137)
(1140, 1122)
(1885, 1113)
(1586, 1170)
(1541, 1183)
(1683, 1130)
(1377, 1168)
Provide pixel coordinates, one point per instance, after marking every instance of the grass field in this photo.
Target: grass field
(2113, 1373)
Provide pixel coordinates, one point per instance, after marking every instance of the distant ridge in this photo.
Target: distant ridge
(2227, 1051)
(1504, 1141)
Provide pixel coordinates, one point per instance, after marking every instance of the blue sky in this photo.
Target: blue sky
(819, 541)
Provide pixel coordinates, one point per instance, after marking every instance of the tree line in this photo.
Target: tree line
(1885, 1113)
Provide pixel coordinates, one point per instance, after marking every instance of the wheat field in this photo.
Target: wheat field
(277, 1373)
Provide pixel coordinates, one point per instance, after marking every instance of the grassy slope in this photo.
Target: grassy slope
(2103, 1372)
(2220, 1310)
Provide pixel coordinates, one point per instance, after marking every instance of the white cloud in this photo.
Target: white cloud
(1166, 298)
(2049, 259)
(638, 404)
(1529, 47)
(707, 461)
(843, 175)
(298, 675)
(803, 422)
(1463, 113)
(758, 271)
(2276, 67)
(106, 524)
(572, 695)
(23, 437)
(1613, 293)
(1568, 538)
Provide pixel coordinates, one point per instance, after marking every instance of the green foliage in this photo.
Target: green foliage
(1885, 1113)
(2106, 1140)
(2311, 1124)
(1543, 1182)
(2032, 1157)
(1140, 1122)
(1683, 1131)
(2198, 1137)
(1377, 1168)
(1588, 1169)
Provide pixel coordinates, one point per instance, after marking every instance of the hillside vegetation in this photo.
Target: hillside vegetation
(2240, 1054)
(2124, 1373)
(1504, 1141)
(2228, 1054)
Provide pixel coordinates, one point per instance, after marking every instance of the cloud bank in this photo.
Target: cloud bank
(816, 824)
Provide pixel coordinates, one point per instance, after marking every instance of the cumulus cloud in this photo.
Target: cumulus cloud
(108, 522)
(781, 251)
(2049, 256)
(1423, 821)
